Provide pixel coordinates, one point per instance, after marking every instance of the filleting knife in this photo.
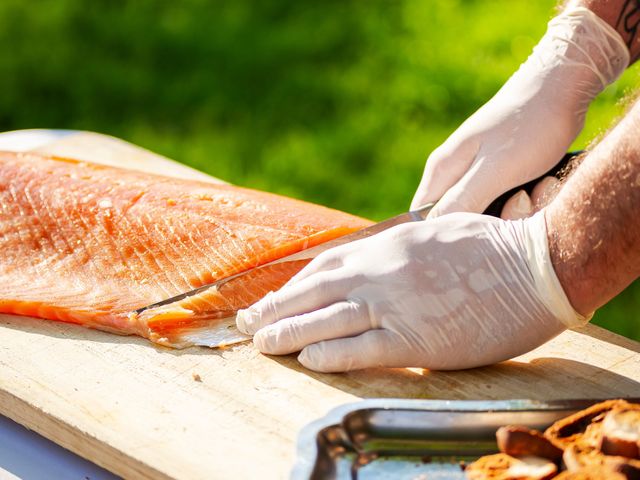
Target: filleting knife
(412, 216)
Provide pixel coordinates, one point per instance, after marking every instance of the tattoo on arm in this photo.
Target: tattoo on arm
(629, 21)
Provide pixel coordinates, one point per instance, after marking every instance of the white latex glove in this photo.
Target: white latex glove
(524, 130)
(460, 291)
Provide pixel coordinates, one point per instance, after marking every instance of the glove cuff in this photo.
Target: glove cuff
(544, 276)
(580, 51)
(596, 44)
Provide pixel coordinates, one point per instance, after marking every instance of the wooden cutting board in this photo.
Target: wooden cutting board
(144, 411)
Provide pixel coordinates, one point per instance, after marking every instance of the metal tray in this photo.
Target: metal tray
(414, 439)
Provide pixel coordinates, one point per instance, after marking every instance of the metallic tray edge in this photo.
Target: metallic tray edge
(307, 444)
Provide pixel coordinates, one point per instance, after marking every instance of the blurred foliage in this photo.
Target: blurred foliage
(338, 102)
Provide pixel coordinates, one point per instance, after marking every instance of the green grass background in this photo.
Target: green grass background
(337, 102)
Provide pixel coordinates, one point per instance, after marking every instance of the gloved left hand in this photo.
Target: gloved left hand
(522, 131)
(459, 291)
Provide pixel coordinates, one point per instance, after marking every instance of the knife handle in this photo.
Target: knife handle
(495, 208)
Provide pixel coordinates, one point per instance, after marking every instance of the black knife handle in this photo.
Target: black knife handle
(495, 208)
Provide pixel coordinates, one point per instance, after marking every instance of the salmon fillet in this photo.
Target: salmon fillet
(89, 244)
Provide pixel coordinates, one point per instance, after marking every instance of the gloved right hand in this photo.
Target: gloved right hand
(530, 123)
(457, 292)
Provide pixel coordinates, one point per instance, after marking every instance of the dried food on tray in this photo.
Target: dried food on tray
(601, 441)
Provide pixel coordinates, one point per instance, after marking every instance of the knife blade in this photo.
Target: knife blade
(310, 253)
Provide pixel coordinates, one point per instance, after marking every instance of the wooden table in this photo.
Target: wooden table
(138, 410)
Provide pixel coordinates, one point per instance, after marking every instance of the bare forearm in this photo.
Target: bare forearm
(623, 15)
(593, 224)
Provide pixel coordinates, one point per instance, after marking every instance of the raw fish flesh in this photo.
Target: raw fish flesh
(89, 244)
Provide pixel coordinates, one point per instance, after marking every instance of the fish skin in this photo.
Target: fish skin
(89, 244)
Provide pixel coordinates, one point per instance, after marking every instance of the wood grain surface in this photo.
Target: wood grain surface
(144, 411)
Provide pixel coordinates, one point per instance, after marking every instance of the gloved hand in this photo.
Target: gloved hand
(529, 124)
(460, 291)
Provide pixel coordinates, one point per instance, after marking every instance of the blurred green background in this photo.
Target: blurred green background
(337, 102)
